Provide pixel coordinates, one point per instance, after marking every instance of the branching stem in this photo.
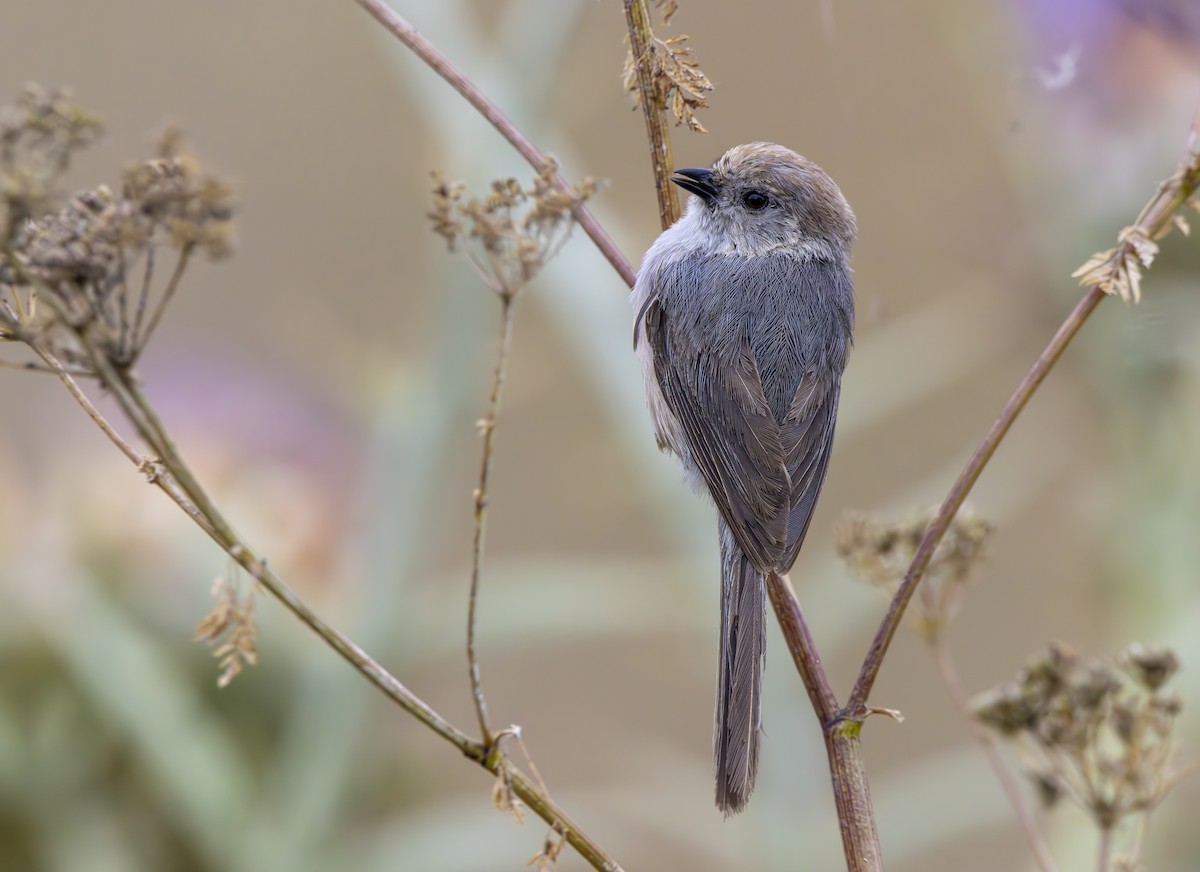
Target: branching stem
(1012, 790)
(185, 254)
(441, 65)
(1104, 850)
(487, 430)
(171, 474)
(1154, 220)
(637, 20)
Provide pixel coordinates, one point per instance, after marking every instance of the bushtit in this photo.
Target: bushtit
(744, 312)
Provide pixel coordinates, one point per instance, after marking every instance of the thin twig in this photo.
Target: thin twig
(856, 704)
(1154, 219)
(144, 296)
(30, 366)
(843, 743)
(222, 533)
(441, 65)
(54, 365)
(172, 286)
(802, 647)
(1186, 770)
(175, 478)
(1139, 833)
(175, 472)
(637, 20)
(1012, 790)
(1104, 850)
(122, 284)
(487, 429)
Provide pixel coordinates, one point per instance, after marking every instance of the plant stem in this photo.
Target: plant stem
(487, 427)
(802, 647)
(175, 479)
(185, 253)
(843, 745)
(1154, 220)
(1104, 851)
(637, 20)
(441, 65)
(852, 796)
(1012, 790)
(856, 705)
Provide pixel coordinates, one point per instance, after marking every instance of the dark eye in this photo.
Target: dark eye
(755, 200)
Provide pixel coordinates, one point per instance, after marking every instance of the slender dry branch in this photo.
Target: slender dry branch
(802, 647)
(1104, 849)
(1155, 220)
(843, 745)
(1012, 790)
(637, 19)
(441, 65)
(55, 366)
(487, 429)
(185, 253)
(171, 474)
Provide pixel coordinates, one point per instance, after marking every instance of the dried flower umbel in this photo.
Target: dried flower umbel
(1118, 270)
(230, 630)
(880, 553)
(512, 232)
(40, 133)
(1094, 733)
(81, 281)
(678, 80)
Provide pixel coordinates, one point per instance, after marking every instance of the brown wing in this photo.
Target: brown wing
(807, 436)
(732, 438)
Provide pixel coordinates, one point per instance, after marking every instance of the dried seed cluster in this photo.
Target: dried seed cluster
(230, 630)
(512, 232)
(39, 135)
(678, 80)
(1118, 270)
(879, 553)
(1097, 734)
(91, 263)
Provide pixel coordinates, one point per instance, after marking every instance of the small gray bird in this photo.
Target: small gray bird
(744, 312)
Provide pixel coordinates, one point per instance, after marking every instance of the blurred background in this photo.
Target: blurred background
(325, 383)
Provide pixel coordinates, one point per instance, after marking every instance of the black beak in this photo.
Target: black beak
(699, 182)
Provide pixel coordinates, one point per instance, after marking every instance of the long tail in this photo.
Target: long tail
(739, 676)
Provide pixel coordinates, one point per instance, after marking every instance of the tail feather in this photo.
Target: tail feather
(739, 676)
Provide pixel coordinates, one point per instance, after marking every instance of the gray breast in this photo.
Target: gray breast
(796, 313)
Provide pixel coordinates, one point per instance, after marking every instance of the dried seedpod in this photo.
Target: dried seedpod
(879, 553)
(513, 232)
(1098, 734)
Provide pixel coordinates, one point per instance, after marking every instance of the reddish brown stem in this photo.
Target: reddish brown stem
(852, 797)
(856, 705)
(843, 745)
(637, 20)
(441, 65)
(1152, 222)
(802, 647)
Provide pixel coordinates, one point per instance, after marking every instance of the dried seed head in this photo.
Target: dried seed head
(92, 260)
(512, 232)
(1006, 709)
(230, 630)
(39, 135)
(1151, 667)
(1094, 732)
(1049, 788)
(880, 554)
